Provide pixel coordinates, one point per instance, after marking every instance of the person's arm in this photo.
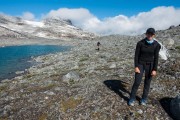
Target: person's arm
(137, 53)
(156, 57)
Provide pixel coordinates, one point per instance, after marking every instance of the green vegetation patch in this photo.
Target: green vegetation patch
(83, 59)
(43, 116)
(2, 88)
(177, 47)
(71, 103)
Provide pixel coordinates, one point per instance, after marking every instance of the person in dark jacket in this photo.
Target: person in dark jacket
(98, 44)
(146, 59)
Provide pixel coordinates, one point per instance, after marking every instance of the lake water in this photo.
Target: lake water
(18, 58)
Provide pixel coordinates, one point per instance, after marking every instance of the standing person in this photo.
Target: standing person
(98, 44)
(146, 59)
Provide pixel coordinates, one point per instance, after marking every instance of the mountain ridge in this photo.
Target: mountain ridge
(51, 28)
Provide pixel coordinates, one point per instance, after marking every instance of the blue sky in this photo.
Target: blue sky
(99, 8)
(100, 16)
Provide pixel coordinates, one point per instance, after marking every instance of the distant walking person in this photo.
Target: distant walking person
(146, 59)
(98, 44)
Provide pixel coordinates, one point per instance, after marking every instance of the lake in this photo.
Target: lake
(18, 58)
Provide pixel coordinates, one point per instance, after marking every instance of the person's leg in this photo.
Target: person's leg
(147, 81)
(137, 82)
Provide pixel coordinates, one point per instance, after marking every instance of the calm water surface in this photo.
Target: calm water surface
(18, 58)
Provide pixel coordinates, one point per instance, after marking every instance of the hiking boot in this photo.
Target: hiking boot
(143, 102)
(131, 102)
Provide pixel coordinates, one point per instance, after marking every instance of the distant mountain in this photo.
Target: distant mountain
(52, 28)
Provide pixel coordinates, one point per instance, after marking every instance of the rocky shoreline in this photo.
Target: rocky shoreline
(38, 41)
(88, 84)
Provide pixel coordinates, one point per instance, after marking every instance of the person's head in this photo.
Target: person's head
(150, 33)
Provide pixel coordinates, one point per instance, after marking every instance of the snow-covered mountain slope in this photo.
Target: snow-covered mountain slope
(53, 28)
(7, 33)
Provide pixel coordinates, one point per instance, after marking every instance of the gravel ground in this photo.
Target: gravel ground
(88, 84)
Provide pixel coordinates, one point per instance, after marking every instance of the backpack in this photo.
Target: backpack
(163, 52)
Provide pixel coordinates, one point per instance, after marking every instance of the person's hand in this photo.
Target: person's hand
(137, 70)
(153, 73)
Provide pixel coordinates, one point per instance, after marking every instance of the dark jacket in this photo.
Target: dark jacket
(147, 53)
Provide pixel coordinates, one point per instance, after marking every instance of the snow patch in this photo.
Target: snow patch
(41, 34)
(34, 23)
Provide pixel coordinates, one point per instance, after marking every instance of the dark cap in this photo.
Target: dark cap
(150, 31)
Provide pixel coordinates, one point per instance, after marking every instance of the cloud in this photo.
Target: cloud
(78, 16)
(28, 16)
(159, 18)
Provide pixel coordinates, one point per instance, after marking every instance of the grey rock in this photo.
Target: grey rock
(174, 88)
(177, 74)
(169, 43)
(156, 118)
(171, 27)
(74, 76)
(7, 107)
(57, 88)
(113, 65)
(49, 93)
(19, 72)
(140, 111)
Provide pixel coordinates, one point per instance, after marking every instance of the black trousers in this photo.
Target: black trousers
(147, 67)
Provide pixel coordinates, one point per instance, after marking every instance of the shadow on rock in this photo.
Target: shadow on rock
(118, 87)
(165, 103)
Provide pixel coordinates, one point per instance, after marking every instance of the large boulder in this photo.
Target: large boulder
(171, 43)
(71, 77)
(168, 43)
(113, 65)
(171, 27)
(175, 107)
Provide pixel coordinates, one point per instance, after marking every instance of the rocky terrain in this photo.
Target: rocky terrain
(88, 84)
(51, 28)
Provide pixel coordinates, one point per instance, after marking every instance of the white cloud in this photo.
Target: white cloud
(28, 16)
(159, 18)
(78, 16)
